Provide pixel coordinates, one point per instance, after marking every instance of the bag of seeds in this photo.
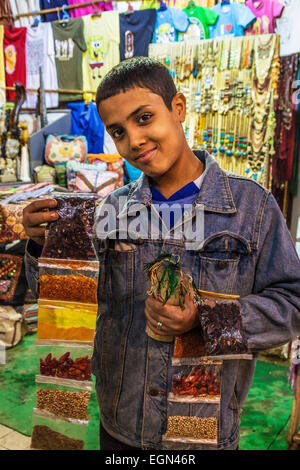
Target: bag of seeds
(190, 425)
(56, 433)
(197, 384)
(70, 236)
(169, 284)
(73, 281)
(62, 401)
(221, 323)
(67, 365)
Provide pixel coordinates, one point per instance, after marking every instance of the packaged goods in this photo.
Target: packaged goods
(199, 383)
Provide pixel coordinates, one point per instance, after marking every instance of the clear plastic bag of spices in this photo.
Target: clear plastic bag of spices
(191, 425)
(52, 433)
(198, 384)
(65, 364)
(221, 323)
(66, 321)
(61, 400)
(70, 236)
(68, 280)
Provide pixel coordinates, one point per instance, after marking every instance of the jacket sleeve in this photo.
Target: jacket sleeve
(271, 314)
(32, 252)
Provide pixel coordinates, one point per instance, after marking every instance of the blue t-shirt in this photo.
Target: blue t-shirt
(181, 198)
(233, 19)
(136, 31)
(48, 4)
(86, 121)
(168, 22)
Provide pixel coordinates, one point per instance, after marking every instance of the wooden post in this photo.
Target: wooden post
(294, 435)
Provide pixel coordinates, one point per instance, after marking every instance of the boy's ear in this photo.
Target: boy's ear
(179, 106)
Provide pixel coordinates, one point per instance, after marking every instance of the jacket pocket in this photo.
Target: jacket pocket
(222, 257)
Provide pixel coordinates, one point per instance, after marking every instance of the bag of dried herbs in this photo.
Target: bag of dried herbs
(169, 284)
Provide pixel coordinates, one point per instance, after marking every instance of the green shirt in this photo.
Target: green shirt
(200, 18)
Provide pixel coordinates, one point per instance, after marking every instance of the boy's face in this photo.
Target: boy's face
(146, 133)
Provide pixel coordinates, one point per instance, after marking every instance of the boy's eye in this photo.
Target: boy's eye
(117, 133)
(144, 117)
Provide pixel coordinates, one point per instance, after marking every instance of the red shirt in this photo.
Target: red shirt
(14, 58)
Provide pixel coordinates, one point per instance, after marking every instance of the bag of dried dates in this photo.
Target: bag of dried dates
(70, 236)
(198, 384)
(221, 324)
(169, 284)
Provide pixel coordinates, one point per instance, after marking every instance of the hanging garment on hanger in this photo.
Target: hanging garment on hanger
(6, 11)
(102, 37)
(69, 48)
(169, 23)
(90, 9)
(14, 58)
(2, 68)
(40, 53)
(233, 19)
(200, 19)
(288, 28)
(86, 121)
(48, 4)
(266, 12)
(136, 31)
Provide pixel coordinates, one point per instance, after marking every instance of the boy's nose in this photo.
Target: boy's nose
(136, 140)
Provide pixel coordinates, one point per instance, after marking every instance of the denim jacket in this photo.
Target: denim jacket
(246, 250)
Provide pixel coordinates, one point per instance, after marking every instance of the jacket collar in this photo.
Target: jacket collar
(215, 193)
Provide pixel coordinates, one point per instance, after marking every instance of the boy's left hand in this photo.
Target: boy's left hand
(174, 320)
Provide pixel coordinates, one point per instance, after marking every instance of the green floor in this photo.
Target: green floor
(265, 417)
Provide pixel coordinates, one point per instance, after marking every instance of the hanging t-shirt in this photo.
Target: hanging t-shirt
(266, 12)
(102, 36)
(14, 56)
(86, 121)
(232, 21)
(168, 23)
(40, 53)
(288, 28)
(2, 68)
(87, 10)
(200, 18)
(136, 31)
(49, 4)
(69, 47)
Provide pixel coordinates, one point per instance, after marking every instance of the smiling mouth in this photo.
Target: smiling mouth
(145, 156)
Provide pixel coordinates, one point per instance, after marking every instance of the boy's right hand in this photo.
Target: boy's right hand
(37, 213)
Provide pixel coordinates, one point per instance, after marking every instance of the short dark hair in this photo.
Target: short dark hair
(143, 72)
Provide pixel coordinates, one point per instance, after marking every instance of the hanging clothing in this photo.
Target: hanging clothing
(288, 28)
(83, 11)
(102, 37)
(48, 4)
(14, 56)
(200, 19)
(86, 121)
(136, 31)
(2, 68)
(69, 48)
(40, 53)
(168, 23)
(6, 14)
(232, 20)
(266, 12)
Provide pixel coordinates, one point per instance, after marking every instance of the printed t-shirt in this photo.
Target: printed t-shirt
(69, 47)
(266, 12)
(288, 28)
(200, 18)
(87, 10)
(183, 197)
(49, 4)
(232, 21)
(168, 22)
(136, 31)
(14, 56)
(102, 36)
(2, 68)
(40, 53)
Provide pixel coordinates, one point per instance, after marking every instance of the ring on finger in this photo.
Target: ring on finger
(159, 325)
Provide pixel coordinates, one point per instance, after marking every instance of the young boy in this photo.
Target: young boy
(246, 249)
